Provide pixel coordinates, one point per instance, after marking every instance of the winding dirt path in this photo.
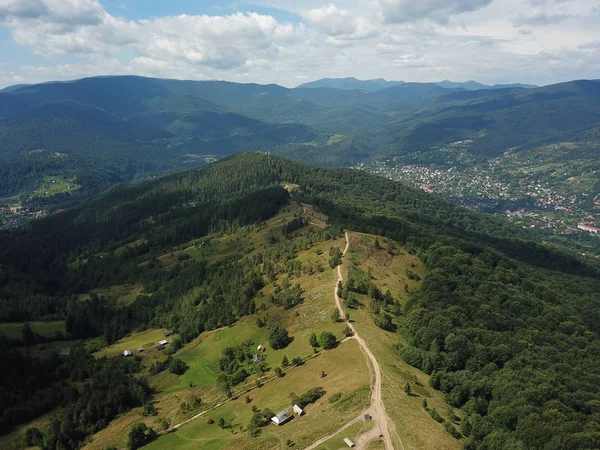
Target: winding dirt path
(383, 425)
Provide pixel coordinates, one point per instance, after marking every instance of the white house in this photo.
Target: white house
(282, 417)
(298, 410)
(127, 353)
(163, 342)
(260, 349)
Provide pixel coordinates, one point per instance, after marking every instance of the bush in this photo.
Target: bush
(278, 337)
(164, 423)
(178, 367)
(313, 341)
(384, 322)
(140, 435)
(297, 361)
(310, 396)
(335, 316)
(158, 366)
(335, 397)
(33, 437)
(175, 345)
(327, 340)
(435, 415)
(149, 409)
(452, 431)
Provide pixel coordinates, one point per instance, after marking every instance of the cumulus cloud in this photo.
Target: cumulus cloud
(428, 40)
(399, 11)
(339, 23)
(63, 12)
(219, 42)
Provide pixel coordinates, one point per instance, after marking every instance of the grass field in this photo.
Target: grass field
(202, 354)
(146, 339)
(54, 185)
(47, 348)
(13, 330)
(16, 439)
(122, 293)
(414, 425)
(346, 371)
(337, 442)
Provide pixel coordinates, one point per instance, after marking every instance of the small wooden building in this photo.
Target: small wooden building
(281, 418)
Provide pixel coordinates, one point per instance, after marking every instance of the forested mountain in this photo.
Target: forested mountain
(131, 127)
(506, 322)
(475, 86)
(351, 83)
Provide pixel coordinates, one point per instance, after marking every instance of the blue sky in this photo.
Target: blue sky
(291, 41)
(144, 9)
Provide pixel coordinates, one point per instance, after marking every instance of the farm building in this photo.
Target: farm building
(260, 348)
(140, 350)
(127, 353)
(160, 347)
(282, 417)
(169, 333)
(163, 342)
(349, 443)
(298, 410)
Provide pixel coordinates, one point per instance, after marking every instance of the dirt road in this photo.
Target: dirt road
(382, 423)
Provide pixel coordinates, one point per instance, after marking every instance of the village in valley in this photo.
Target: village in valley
(526, 189)
(14, 215)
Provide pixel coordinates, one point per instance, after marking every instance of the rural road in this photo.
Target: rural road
(377, 408)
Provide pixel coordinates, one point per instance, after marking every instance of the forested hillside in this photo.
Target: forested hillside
(506, 324)
(113, 129)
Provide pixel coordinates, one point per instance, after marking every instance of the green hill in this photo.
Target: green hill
(497, 318)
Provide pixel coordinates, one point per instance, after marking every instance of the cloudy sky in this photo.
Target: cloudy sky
(292, 41)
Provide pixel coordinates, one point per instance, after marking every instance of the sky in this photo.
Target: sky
(290, 42)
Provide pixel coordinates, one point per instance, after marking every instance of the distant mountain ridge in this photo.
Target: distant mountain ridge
(351, 83)
(378, 84)
(148, 125)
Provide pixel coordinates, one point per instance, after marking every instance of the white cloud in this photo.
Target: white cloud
(399, 11)
(340, 24)
(492, 41)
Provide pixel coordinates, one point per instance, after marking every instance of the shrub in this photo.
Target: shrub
(149, 409)
(33, 437)
(310, 396)
(335, 397)
(278, 337)
(327, 340)
(435, 415)
(139, 435)
(178, 367)
(297, 361)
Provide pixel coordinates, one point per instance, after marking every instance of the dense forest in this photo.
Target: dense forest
(506, 324)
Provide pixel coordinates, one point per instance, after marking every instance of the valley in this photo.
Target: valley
(557, 193)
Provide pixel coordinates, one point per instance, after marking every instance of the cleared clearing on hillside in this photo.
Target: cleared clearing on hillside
(13, 330)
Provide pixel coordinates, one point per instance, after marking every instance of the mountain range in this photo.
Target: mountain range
(378, 84)
(112, 129)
